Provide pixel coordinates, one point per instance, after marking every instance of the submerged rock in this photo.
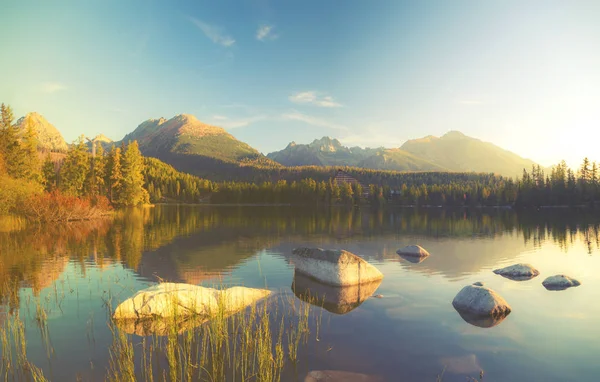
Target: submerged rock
(181, 300)
(340, 376)
(475, 301)
(335, 299)
(334, 267)
(413, 251)
(560, 282)
(518, 272)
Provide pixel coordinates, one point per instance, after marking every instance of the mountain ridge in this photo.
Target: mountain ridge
(454, 151)
(207, 150)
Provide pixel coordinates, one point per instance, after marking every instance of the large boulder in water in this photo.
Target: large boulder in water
(415, 251)
(518, 272)
(335, 299)
(340, 376)
(334, 267)
(560, 282)
(479, 301)
(180, 300)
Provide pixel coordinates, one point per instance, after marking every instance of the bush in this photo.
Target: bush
(55, 206)
(13, 192)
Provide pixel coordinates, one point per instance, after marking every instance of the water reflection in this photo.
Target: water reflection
(482, 321)
(195, 245)
(413, 259)
(338, 300)
(209, 245)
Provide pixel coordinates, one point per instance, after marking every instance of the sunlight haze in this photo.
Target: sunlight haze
(523, 75)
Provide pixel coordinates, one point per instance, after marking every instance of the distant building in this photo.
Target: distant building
(343, 177)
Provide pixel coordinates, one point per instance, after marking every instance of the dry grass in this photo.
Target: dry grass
(255, 344)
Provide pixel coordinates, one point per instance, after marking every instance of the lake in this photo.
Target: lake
(67, 278)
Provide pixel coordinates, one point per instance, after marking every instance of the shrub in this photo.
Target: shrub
(14, 191)
(56, 206)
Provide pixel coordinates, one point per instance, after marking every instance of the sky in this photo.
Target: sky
(523, 75)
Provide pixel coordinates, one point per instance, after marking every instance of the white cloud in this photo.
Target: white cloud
(265, 32)
(313, 98)
(214, 33)
(296, 116)
(234, 123)
(52, 87)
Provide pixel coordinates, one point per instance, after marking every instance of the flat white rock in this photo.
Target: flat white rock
(560, 282)
(413, 250)
(179, 299)
(334, 267)
(518, 272)
(480, 301)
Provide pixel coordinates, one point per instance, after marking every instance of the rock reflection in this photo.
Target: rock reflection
(414, 259)
(482, 321)
(338, 300)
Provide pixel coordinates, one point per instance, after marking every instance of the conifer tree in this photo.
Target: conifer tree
(31, 159)
(10, 146)
(133, 192)
(49, 178)
(2, 165)
(74, 170)
(96, 176)
(100, 169)
(114, 176)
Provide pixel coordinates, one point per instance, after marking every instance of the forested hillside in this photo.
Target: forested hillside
(79, 185)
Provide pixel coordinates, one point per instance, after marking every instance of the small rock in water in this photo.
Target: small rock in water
(413, 250)
(480, 301)
(478, 283)
(518, 272)
(560, 282)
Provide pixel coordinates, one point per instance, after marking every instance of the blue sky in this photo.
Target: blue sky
(524, 75)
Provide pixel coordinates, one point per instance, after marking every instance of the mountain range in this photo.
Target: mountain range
(454, 152)
(195, 147)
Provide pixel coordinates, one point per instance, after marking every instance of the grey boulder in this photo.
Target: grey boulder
(560, 282)
(334, 267)
(475, 301)
(518, 272)
(413, 251)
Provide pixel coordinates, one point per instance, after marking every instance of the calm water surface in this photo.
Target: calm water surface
(411, 334)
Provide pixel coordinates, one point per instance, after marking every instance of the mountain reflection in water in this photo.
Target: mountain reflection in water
(76, 270)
